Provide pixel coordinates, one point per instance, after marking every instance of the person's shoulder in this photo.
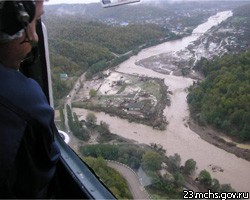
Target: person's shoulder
(17, 86)
(22, 91)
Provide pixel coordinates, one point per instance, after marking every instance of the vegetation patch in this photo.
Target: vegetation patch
(223, 99)
(110, 177)
(166, 177)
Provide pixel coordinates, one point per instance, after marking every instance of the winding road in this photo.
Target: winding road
(135, 186)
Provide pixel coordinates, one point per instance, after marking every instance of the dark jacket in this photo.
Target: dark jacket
(28, 153)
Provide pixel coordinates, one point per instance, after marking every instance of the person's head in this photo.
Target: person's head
(18, 30)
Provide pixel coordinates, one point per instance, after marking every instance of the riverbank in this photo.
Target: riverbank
(215, 138)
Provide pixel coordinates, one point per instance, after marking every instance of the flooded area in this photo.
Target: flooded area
(179, 138)
(174, 56)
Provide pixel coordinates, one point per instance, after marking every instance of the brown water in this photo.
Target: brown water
(178, 138)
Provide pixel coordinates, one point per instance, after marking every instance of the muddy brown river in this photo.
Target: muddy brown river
(178, 138)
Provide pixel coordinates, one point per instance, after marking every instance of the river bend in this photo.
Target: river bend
(178, 138)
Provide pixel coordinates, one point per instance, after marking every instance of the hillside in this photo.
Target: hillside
(81, 36)
(223, 98)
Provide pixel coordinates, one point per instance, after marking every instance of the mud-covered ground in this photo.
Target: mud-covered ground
(137, 98)
(215, 42)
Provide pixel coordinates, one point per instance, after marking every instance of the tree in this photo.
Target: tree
(91, 120)
(92, 93)
(215, 185)
(75, 126)
(226, 188)
(62, 118)
(70, 117)
(190, 166)
(205, 178)
(78, 130)
(178, 180)
(151, 161)
(103, 128)
(174, 162)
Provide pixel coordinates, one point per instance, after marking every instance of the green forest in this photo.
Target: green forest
(89, 46)
(110, 177)
(223, 98)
